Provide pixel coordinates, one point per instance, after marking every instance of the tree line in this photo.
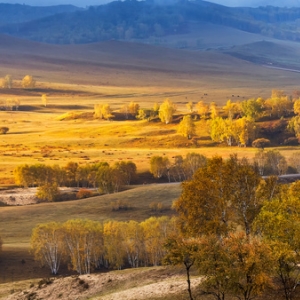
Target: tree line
(236, 123)
(111, 179)
(7, 82)
(48, 179)
(87, 245)
(266, 162)
(239, 231)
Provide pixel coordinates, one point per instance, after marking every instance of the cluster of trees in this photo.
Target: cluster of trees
(181, 169)
(28, 82)
(270, 162)
(133, 111)
(48, 179)
(233, 124)
(86, 245)
(10, 104)
(240, 231)
(237, 124)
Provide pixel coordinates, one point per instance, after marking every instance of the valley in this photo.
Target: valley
(217, 63)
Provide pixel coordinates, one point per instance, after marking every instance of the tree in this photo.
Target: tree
(102, 111)
(190, 106)
(4, 130)
(217, 129)
(28, 82)
(186, 127)
(141, 115)
(47, 245)
(71, 170)
(113, 242)
(84, 241)
(276, 162)
(192, 162)
(230, 109)
(133, 108)
(158, 166)
(155, 234)
(279, 104)
(203, 109)
(166, 111)
(245, 198)
(44, 100)
(105, 179)
(244, 130)
(181, 250)
(260, 161)
(128, 168)
(234, 265)
(213, 109)
(49, 191)
(261, 143)
(252, 108)
(294, 126)
(297, 107)
(7, 82)
(203, 206)
(295, 161)
(220, 194)
(133, 241)
(279, 224)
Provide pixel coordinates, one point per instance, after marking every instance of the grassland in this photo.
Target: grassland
(77, 77)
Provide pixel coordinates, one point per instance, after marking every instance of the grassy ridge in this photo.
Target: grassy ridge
(16, 223)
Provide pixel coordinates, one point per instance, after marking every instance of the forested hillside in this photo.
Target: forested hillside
(140, 20)
(17, 13)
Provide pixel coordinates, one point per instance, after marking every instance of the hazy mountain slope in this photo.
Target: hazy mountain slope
(276, 54)
(17, 13)
(127, 20)
(130, 64)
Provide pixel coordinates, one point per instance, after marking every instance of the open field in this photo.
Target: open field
(75, 78)
(16, 223)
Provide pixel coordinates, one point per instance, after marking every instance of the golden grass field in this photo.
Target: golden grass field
(75, 77)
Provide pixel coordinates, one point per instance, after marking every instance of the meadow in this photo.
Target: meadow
(75, 78)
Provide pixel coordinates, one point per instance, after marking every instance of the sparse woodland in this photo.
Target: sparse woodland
(232, 227)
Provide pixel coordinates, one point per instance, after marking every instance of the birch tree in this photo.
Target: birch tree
(166, 111)
(84, 243)
(47, 245)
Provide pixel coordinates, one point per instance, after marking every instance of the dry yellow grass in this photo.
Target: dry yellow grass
(77, 77)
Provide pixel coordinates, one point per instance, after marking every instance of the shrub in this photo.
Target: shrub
(84, 193)
(120, 205)
(261, 143)
(292, 141)
(4, 130)
(156, 206)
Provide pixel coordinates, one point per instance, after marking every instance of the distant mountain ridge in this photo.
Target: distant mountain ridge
(18, 13)
(138, 20)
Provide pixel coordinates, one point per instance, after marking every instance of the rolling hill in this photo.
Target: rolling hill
(127, 20)
(115, 63)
